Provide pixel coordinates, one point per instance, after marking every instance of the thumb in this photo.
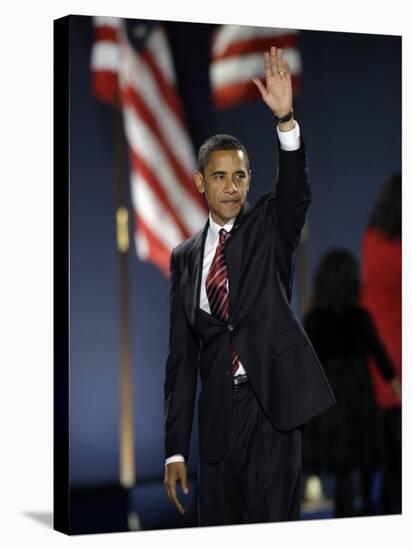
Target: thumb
(259, 84)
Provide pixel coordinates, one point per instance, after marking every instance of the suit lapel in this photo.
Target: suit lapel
(233, 255)
(195, 268)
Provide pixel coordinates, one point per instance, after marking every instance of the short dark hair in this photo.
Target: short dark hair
(219, 142)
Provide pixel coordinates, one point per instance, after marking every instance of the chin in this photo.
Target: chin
(230, 212)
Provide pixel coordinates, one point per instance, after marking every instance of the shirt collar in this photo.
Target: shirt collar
(215, 227)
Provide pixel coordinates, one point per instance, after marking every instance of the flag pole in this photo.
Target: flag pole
(126, 432)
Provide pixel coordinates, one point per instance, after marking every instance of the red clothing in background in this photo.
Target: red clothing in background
(381, 295)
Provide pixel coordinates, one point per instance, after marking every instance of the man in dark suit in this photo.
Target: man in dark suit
(231, 320)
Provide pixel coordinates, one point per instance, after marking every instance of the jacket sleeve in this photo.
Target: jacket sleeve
(287, 207)
(181, 374)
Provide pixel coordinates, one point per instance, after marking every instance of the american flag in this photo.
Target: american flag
(237, 57)
(132, 65)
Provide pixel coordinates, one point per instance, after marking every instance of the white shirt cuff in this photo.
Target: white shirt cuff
(174, 458)
(290, 140)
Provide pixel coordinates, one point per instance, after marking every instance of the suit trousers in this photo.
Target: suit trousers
(260, 477)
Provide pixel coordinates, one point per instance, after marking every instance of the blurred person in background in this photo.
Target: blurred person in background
(381, 295)
(345, 439)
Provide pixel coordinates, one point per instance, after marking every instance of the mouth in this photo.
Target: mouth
(231, 202)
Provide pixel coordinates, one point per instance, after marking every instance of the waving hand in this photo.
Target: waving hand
(277, 94)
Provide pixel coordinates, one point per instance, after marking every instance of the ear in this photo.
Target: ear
(250, 179)
(199, 181)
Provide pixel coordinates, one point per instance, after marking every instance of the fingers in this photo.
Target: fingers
(280, 61)
(167, 491)
(268, 67)
(276, 92)
(171, 477)
(274, 58)
(275, 64)
(170, 486)
(174, 498)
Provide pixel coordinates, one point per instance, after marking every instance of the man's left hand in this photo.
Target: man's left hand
(277, 94)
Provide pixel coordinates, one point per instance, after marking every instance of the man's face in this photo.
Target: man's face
(225, 183)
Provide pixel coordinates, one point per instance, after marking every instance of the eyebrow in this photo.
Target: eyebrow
(218, 172)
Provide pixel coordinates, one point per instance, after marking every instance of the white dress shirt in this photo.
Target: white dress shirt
(289, 141)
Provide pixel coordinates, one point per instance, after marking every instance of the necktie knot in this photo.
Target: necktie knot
(222, 235)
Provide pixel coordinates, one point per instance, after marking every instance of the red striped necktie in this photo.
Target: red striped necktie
(216, 288)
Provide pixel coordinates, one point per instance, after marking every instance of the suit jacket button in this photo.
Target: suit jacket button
(227, 372)
(230, 327)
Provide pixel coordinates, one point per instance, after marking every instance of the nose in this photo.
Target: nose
(230, 186)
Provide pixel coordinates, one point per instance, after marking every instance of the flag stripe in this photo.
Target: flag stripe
(105, 63)
(105, 34)
(237, 57)
(167, 91)
(144, 143)
(131, 99)
(245, 67)
(256, 45)
(229, 34)
(140, 167)
(161, 56)
(137, 76)
(105, 86)
(105, 57)
(226, 96)
(104, 21)
(150, 248)
(151, 210)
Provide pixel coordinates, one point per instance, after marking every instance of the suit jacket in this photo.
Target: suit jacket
(271, 343)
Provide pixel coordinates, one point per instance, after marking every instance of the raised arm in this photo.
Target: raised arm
(287, 207)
